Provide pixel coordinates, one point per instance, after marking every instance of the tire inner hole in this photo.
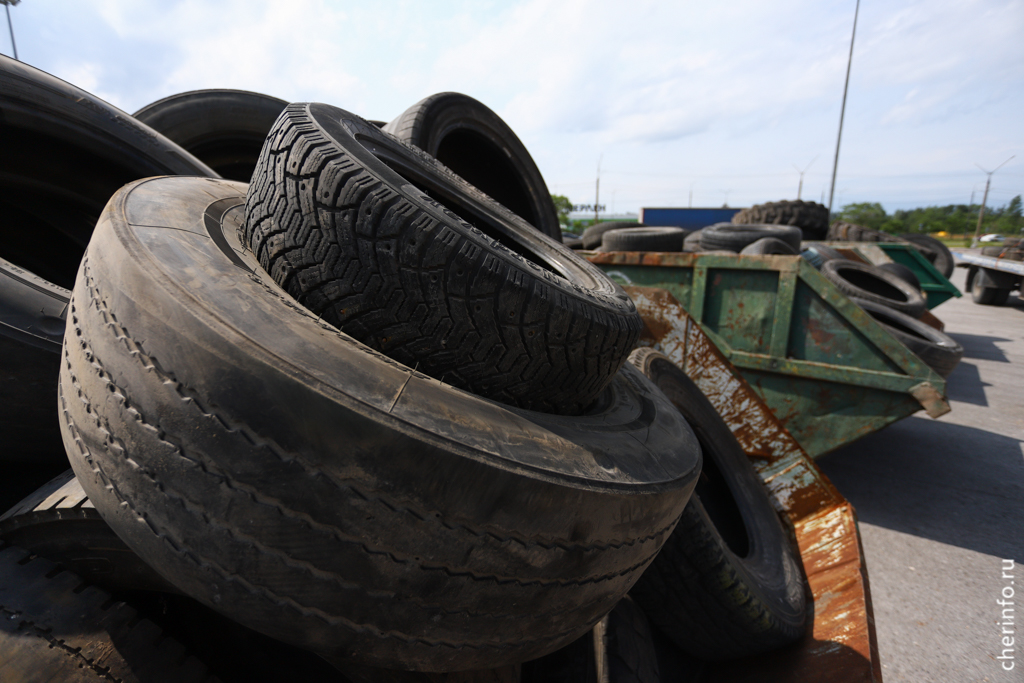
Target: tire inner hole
(719, 503)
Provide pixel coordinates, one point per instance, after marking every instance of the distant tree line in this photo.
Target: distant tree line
(955, 219)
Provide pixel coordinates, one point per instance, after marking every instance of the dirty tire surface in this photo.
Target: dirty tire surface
(937, 349)
(469, 138)
(871, 283)
(656, 238)
(312, 489)
(364, 249)
(810, 217)
(728, 582)
(735, 237)
(56, 627)
(593, 236)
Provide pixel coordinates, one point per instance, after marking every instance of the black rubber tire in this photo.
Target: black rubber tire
(573, 242)
(728, 582)
(511, 315)
(937, 252)
(655, 238)
(594, 235)
(320, 493)
(470, 139)
(811, 217)
(768, 246)
(623, 639)
(817, 254)
(56, 627)
(224, 128)
(870, 283)
(937, 349)
(849, 232)
(989, 296)
(903, 272)
(59, 522)
(65, 152)
(734, 237)
(691, 243)
(32, 314)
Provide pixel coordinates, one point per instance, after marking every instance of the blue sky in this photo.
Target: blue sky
(723, 99)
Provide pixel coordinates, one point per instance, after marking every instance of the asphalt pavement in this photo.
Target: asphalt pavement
(941, 509)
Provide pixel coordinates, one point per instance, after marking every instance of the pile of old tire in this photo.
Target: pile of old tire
(810, 217)
(736, 237)
(65, 153)
(645, 238)
(938, 350)
(324, 491)
(474, 142)
(728, 582)
(934, 250)
(224, 128)
(871, 283)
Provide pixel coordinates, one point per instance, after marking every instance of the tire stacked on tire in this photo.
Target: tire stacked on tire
(810, 217)
(329, 495)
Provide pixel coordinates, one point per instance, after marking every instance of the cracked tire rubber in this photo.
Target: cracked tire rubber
(511, 315)
(56, 627)
(594, 235)
(734, 237)
(472, 140)
(312, 489)
(224, 128)
(810, 217)
(728, 582)
(59, 522)
(871, 283)
(657, 238)
(937, 349)
(623, 638)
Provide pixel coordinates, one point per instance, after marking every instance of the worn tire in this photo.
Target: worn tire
(817, 254)
(224, 128)
(728, 582)
(323, 494)
(937, 252)
(623, 639)
(511, 315)
(989, 296)
(849, 232)
(810, 217)
(56, 627)
(937, 349)
(863, 281)
(734, 237)
(59, 522)
(768, 246)
(65, 152)
(903, 272)
(656, 238)
(691, 243)
(593, 236)
(472, 140)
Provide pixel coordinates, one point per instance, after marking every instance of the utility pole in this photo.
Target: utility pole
(842, 110)
(7, 6)
(984, 199)
(691, 195)
(597, 188)
(800, 187)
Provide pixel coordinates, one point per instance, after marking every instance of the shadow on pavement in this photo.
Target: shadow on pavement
(981, 347)
(941, 481)
(965, 385)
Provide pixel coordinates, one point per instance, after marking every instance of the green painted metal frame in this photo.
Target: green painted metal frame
(826, 368)
(936, 287)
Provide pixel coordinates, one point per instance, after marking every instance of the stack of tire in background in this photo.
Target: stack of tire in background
(465, 477)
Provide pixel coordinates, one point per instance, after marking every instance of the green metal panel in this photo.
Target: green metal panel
(826, 368)
(936, 287)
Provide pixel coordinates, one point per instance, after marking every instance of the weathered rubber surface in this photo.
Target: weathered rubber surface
(937, 349)
(734, 237)
(871, 283)
(65, 152)
(594, 235)
(654, 238)
(622, 644)
(317, 491)
(691, 243)
(56, 627)
(817, 254)
(937, 252)
(989, 296)
(31, 329)
(903, 272)
(365, 249)
(849, 232)
(767, 246)
(59, 522)
(728, 582)
(811, 217)
(224, 128)
(470, 139)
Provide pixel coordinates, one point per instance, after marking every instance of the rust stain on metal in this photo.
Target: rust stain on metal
(819, 334)
(840, 647)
